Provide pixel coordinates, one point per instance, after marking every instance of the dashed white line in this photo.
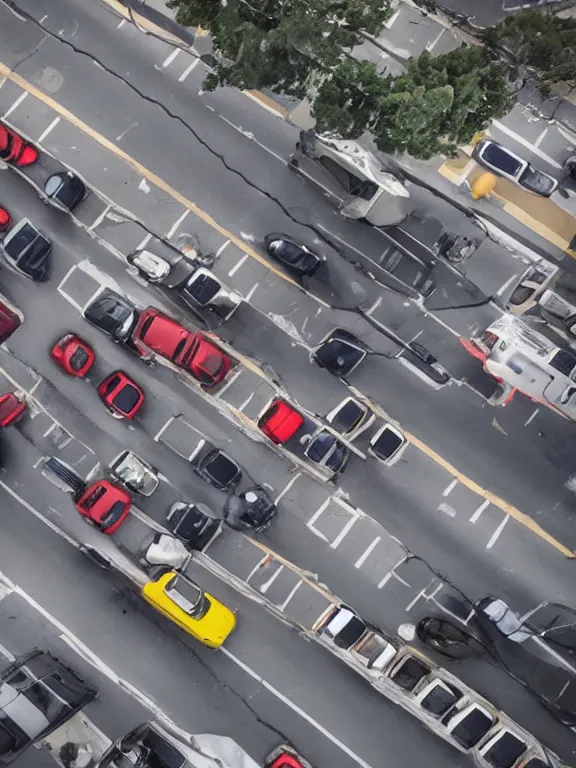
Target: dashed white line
(287, 487)
(449, 488)
(174, 228)
(121, 24)
(188, 69)
(224, 245)
(266, 586)
(291, 594)
(345, 531)
(251, 292)
(316, 516)
(16, 104)
(144, 242)
(237, 266)
(47, 130)
(367, 552)
(99, 219)
(479, 511)
(533, 416)
(170, 58)
(540, 138)
(496, 535)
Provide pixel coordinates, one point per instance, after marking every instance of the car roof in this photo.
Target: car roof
(9, 321)
(280, 421)
(163, 331)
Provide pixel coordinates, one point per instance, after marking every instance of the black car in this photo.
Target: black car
(193, 524)
(340, 353)
(425, 361)
(28, 251)
(252, 509)
(409, 270)
(38, 693)
(292, 253)
(327, 451)
(114, 315)
(65, 190)
(218, 469)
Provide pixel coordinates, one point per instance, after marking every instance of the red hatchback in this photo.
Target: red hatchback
(189, 350)
(12, 409)
(13, 148)
(122, 395)
(73, 355)
(280, 421)
(9, 322)
(285, 756)
(105, 505)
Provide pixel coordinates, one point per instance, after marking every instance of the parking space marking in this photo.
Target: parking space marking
(347, 528)
(531, 417)
(287, 487)
(16, 104)
(48, 130)
(224, 245)
(189, 68)
(521, 140)
(99, 219)
(496, 535)
(170, 58)
(251, 292)
(163, 429)
(447, 509)
(97, 292)
(267, 584)
(263, 560)
(479, 511)
(144, 242)
(366, 554)
(237, 266)
(174, 228)
(540, 138)
(446, 492)
(393, 575)
(316, 516)
(63, 293)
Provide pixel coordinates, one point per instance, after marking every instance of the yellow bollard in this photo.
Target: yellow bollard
(483, 185)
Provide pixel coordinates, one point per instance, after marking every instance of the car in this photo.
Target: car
(253, 509)
(203, 290)
(350, 418)
(388, 444)
(190, 350)
(503, 162)
(14, 149)
(190, 608)
(280, 421)
(285, 756)
(446, 638)
(292, 253)
(194, 524)
(339, 353)
(409, 270)
(9, 321)
(73, 355)
(5, 219)
(65, 190)
(327, 451)
(104, 504)
(417, 356)
(497, 612)
(218, 469)
(27, 251)
(114, 315)
(172, 267)
(38, 694)
(12, 409)
(122, 395)
(148, 265)
(135, 473)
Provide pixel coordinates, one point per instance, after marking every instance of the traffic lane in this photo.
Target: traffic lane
(284, 660)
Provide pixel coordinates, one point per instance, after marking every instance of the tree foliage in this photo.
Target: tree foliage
(280, 44)
(438, 103)
(541, 41)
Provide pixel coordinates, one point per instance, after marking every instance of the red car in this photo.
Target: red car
(105, 505)
(73, 355)
(285, 756)
(9, 322)
(12, 409)
(13, 148)
(280, 421)
(121, 394)
(189, 350)
(5, 219)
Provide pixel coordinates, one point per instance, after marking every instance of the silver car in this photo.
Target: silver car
(204, 290)
(135, 473)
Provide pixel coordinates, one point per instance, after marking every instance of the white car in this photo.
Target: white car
(503, 162)
(135, 473)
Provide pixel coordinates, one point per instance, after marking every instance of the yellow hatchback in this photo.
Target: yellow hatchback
(192, 609)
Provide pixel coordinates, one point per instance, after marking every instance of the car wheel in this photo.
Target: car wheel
(66, 474)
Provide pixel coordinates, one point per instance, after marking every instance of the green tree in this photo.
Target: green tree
(438, 103)
(541, 41)
(280, 45)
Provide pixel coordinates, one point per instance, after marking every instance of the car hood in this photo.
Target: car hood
(164, 335)
(22, 712)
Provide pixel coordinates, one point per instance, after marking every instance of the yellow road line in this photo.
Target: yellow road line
(522, 518)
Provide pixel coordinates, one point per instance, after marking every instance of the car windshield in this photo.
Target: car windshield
(126, 399)
(78, 358)
(222, 469)
(537, 181)
(387, 444)
(21, 240)
(499, 158)
(505, 752)
(438, 701)
(319, 447)
(337, 458)
(113, 515)
(472, 728)
(348, 417)
(188, 596)
(406, 269)
(203, 288)
(339, 355)
(95, 496)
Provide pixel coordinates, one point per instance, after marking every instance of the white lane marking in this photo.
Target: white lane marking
(344, 242)
(249, 135)
(175, 227)
(413, 602)
(262, 105)
(39, 515)
(35, 386)
(287, 487)
(295, 708)
(143, 243)
(374, 306)
(449, 488)
(4, 591)
(47, 130)
(433, 43)
(367, 552)
(5, 652)
(533, 416)
(496, 535)
(481, 508)
(97, 292)
(291, 594)
(188, 69)
(224, 245)
(228, 384)
(540, 138)
(526, 143)
(121, 24)
(392, 19)
(100, 218)
(170, 58)
(246, 402)
(162, 429)
(16, 104)
(251, 292)
(346, 530)
(237, 266)
(257, 567)
(266, 586)
(316, 516)
(447, 509)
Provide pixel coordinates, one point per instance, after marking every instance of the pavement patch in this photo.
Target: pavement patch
(120, 233)
(78, 287)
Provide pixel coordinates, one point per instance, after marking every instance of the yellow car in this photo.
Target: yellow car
(192, 609)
